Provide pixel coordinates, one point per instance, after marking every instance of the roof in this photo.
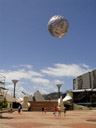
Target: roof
(30, 98)
(9, 98)
(83, 90)
(38, 96)
(3, 88)
(19, 100)
(67, 97)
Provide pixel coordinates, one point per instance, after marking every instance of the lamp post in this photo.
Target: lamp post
(14, 82)
(58, 86)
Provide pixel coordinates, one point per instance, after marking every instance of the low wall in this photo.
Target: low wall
(37, 106)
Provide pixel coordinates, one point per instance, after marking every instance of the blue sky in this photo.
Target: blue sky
(38, 60)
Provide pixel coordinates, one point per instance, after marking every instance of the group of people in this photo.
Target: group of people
(59, 111)
(55, 110)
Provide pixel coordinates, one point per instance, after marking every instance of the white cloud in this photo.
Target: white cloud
(18, 90)
(48, 87)
(23, 66)
(58, 82)
(40, 80)
(20, 74)
(86, 66)
(44, 81)
(45, 88)
(62, 70)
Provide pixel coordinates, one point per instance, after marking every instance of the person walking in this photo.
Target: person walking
(19, 109)
(55, 111)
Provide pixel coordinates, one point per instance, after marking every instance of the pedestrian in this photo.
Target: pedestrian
(42, 109)
(10, 110)
(45, 110)
(55, 111)
(19, 109)
(59, 111)
(64, 111)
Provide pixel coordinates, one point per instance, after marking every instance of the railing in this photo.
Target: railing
(81, 95)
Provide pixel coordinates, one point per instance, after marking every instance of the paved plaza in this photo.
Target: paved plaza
(73, 119)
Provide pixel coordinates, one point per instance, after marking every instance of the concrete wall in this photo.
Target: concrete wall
(85, 81)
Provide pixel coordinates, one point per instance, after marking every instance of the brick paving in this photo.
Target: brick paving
(73, 119)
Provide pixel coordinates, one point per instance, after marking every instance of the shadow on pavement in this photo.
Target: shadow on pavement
(8, 118)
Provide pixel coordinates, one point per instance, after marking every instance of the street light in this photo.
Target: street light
(58, 86)
(14, 82)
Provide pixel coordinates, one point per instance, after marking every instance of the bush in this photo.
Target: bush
(3, 103)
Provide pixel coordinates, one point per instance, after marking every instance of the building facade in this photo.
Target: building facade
(84, 89)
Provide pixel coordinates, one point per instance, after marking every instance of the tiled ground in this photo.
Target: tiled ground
(73, 119)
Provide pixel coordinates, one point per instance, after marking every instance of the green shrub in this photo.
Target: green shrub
(3, 103)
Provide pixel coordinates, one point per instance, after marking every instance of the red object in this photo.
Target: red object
(55, 109)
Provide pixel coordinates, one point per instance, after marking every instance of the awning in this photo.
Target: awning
(67, 97)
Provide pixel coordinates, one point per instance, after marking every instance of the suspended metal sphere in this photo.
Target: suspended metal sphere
(58, 26)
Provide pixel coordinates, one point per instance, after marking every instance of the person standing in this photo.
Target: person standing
(42, 109)
(19, 109)
(45, 110)
(64, 111)
(59, 111)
